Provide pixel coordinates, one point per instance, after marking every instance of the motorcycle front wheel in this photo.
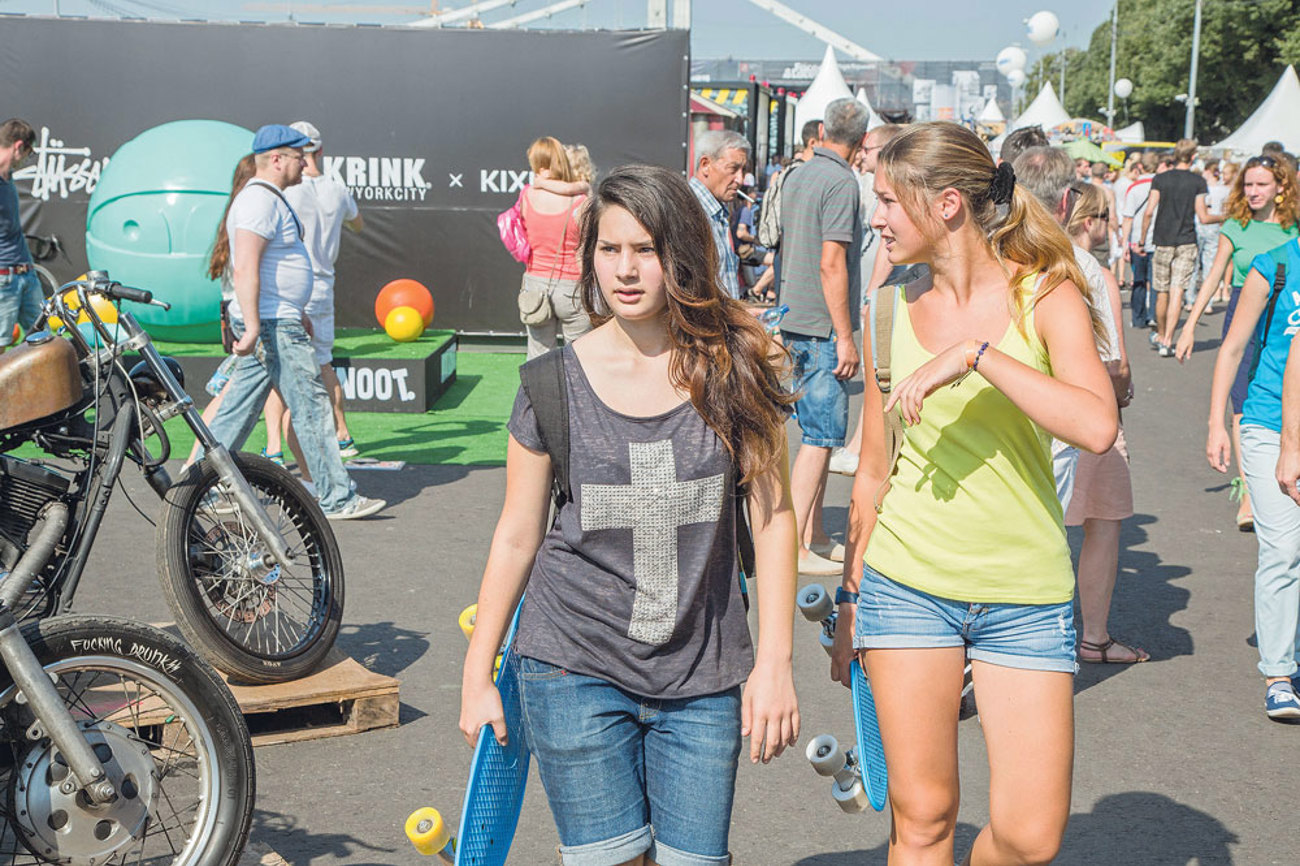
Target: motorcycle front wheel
(168, 732)
(258, 620)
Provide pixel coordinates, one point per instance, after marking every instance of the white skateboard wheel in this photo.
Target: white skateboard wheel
(827, 642)
(854, 799)
(825, 755)
(814, 603)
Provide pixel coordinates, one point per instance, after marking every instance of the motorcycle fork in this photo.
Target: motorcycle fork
(214, 452)
(35, 688)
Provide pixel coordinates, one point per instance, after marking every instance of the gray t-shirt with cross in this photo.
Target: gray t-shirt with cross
(636, 583)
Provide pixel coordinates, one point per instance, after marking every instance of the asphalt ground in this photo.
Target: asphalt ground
(1175, 761)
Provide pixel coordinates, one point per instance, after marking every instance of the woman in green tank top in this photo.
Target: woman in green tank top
(966, 556)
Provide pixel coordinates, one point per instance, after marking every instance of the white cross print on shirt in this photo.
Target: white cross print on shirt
(654, 506)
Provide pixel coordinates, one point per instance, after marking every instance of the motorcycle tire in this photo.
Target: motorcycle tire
(168, 731)
(259, 623)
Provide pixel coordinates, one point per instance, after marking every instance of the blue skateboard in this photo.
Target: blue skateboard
(859, 774)
(497, 776)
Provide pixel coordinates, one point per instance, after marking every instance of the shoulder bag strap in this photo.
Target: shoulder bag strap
(275, 189)
(882, 319)
(543, 380)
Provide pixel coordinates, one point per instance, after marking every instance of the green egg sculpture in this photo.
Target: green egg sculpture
(153, 220)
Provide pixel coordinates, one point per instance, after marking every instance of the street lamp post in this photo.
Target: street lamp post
(1189, 123)
(1110, 88)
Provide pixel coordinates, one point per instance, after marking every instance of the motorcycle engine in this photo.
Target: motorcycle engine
(25, 489)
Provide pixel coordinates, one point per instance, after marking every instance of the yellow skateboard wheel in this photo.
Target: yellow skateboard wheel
(426, 830)
(467, 617)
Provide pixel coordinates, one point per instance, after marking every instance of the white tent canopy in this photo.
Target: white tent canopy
(1276, 119)
(991, 113)
(1045, 111)
(826, 87)
(1132, 133)
(873, 119)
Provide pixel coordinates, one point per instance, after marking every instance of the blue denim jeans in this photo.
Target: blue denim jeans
(823, 406)
(285, 359)
(1277, 577)
(20, 302)
(1140, 305)
(627, 775)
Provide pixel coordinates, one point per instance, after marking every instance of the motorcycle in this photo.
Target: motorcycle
(247, 561)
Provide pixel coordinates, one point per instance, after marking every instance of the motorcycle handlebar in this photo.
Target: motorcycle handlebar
(126, 293)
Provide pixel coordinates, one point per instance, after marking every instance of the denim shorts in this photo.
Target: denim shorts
(1035, 637)
(20, 303)
(823, 406)
(627, 775)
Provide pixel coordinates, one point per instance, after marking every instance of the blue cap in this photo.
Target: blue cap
(275, 135)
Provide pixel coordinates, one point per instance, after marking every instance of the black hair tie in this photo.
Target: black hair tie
(1003, 184)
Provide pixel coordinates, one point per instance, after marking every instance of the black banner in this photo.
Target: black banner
(427, 127)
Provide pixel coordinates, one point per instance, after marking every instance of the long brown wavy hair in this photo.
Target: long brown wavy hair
(1287, 211)
(721, 355)
(927, 158)
(220, 259)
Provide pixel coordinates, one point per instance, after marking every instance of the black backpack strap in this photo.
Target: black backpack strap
(1279, 283)
(544, 383)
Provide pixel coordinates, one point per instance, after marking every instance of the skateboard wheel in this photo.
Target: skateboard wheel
(825, 755)
(467, 617)
(827, 642)
(427, 831)
(852, 800)
(814, 603)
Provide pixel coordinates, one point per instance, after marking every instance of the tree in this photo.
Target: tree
(1245, 45)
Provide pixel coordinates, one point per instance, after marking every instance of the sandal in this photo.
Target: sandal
(276, 457)
(1139, 654)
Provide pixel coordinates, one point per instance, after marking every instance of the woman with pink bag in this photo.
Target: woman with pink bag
(549, 211)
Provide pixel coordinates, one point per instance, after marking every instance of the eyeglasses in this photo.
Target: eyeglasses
(299, 157)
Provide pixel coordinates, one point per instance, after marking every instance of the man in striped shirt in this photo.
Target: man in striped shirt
(720, 159)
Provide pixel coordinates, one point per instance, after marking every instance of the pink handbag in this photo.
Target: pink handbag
(510, 224)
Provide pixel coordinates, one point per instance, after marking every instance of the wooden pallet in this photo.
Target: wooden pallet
(342, 697)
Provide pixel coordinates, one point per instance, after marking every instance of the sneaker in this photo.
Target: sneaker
(843, 462)
(1166, 351)
(357, 507)
(1280, 701)
(276, 457)
(1151, 323)
(832, 550)
(1154, 340)
(348, 448)
(819, 566)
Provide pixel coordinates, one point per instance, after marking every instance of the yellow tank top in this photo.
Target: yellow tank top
(972, 513)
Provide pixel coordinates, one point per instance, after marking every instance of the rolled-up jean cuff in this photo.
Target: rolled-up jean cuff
(823, 443)
(666, 855)
(1023, 663)
(609, 852)
(905, 641)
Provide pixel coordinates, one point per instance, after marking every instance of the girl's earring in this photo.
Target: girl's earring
(1278, 198)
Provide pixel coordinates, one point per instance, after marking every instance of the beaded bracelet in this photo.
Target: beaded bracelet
(979, 354)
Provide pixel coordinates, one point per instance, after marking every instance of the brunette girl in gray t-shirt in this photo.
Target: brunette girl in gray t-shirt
(633, 639)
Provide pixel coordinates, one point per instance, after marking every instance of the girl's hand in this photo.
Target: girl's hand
(947, 367)
(1288, 470)
(842, 652)
(1218, 448)
(1186, 342)
(769, 711)
(481, 705)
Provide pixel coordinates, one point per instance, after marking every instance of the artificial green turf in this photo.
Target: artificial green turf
(348, 343)
(467, 426)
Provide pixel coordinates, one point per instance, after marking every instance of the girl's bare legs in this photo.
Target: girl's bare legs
(275, 418)
(1028, 723)
(920, 748)
(1098, 567)
(209, 413)
(287, 430)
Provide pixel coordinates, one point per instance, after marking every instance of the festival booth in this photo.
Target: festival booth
(1276, 119)
(753, 103)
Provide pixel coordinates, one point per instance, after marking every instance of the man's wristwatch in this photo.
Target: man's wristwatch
(843, 596)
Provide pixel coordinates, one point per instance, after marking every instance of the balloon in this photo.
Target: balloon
(404, 324)
(18, 334)
(1042, 27)
(1011, 57)
(1016, 77)
(404, 293)
(103, 306)
(1123, 88)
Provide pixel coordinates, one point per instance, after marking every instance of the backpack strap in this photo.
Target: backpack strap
(1279, 283)
(882, 334)
(744, 535)
(543, 381)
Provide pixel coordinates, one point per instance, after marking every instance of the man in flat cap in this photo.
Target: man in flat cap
(273, 282)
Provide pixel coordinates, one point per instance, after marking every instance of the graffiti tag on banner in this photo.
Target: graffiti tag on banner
(61, 169)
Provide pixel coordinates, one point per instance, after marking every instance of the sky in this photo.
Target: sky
(933, 30)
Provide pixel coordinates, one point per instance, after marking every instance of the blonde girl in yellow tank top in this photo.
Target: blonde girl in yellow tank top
(992, 354)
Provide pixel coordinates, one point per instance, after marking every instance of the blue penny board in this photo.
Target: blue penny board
(871, 752)
(497, 776)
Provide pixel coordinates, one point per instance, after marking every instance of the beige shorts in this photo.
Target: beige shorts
(1173, 267)
(1103, 487)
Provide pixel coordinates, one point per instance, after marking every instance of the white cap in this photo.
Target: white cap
(310, 131)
